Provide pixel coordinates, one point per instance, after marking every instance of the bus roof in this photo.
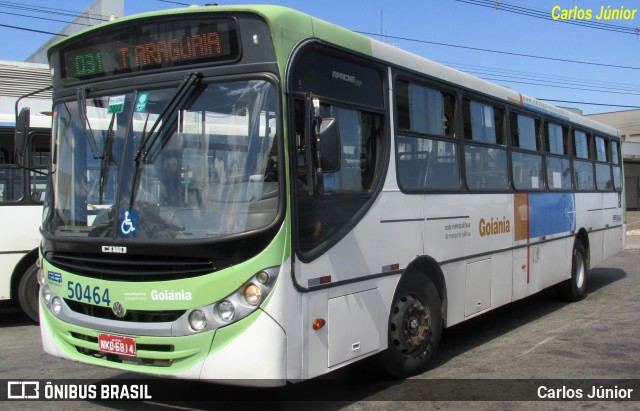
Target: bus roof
(295, 27)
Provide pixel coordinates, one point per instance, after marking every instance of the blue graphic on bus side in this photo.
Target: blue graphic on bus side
(551, 213)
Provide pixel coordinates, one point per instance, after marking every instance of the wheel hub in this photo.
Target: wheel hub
(409, 325)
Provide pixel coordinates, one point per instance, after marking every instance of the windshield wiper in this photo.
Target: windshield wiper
(166, 118)
(106, 157)
(86, 125)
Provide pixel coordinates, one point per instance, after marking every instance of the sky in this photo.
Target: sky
(571, 62)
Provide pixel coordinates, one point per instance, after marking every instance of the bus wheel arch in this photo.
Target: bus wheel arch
(415, 320)
(24, 285)
(427, 266)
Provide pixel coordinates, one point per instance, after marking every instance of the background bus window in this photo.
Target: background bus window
(11, 176)
(583, 168)
(558, 165)
(39, 156)
(526, 165)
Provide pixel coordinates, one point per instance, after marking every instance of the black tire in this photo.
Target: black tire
(575, 288)
(28, 290)
(415, 327)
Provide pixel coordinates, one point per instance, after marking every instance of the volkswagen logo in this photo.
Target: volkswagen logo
(118, 309)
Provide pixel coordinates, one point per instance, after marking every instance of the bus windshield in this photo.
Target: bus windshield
(209, 171)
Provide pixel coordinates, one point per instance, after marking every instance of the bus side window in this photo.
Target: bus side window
(484, 152)
(525, 158)
(558, 164)
(615, 163)
(427, 153)
(604, 180)
(582, 161)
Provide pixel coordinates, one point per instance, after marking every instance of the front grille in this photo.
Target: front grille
(132, 268)
(131, 315)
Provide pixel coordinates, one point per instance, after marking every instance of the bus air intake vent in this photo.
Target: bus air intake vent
(132, 268)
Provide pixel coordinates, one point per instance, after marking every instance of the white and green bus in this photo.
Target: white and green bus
(254, 196)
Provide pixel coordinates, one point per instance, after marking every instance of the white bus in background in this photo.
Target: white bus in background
(22, 189)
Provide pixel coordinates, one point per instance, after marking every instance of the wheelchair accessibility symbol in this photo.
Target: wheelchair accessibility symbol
(128, 220)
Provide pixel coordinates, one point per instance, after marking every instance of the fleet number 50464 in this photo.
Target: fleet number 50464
(95, 295)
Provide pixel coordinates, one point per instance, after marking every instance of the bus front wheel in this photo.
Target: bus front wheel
(415, 327)
(28, 292)
(575, 288)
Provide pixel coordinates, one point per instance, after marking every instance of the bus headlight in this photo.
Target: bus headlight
(56, 305)
(253, 294)
(263, 277)
(197, 320)
(226, 311)
(241, 303)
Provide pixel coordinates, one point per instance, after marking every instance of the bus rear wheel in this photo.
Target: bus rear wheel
(575, 288)
(415, 327)
(28, 290)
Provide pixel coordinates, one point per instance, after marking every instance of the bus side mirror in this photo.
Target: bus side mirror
(330, 149)
(22, 136)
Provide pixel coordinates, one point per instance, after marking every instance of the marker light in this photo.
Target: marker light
(252, 294)
(47, 294)
(226, 311)
(40, 275)
(197, 320)
(318, 323)
(56, 305)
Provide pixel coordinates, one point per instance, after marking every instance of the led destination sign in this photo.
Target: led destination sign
(150, 46)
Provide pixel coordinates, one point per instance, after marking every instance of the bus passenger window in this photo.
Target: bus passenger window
(485, 165)
(526, 164)
(604, 180)
(424, 110)
(483, 122)
(426, 163)
(558, 165)
(557, 141)
(617, 170)
(582, 165)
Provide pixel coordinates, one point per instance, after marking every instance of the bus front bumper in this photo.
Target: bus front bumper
(251, 352)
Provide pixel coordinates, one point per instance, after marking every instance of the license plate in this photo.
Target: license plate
(116, 344)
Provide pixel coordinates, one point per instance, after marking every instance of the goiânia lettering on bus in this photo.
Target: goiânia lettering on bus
(170, 295)
(494, 226)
